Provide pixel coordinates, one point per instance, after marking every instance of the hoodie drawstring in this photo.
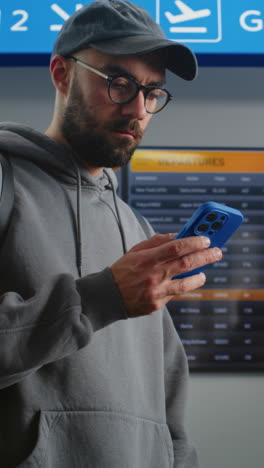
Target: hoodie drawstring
(78, 219)
(79, 216)
(79, 222)
(121, 230)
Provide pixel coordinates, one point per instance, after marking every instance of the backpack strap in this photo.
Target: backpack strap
(7, 194)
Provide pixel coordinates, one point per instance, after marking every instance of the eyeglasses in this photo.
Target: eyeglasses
(122, 90)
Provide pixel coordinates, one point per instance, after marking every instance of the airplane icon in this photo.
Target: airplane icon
(187, 14)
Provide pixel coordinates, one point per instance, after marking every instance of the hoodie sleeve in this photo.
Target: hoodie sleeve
(55, 322)
(176, 383)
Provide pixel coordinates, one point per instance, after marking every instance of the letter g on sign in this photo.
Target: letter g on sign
(250, 21)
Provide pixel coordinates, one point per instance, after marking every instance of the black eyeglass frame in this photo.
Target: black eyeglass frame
(139, 87)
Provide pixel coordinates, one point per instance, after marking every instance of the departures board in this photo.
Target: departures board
(221, 324)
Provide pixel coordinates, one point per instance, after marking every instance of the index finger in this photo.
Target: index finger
(154, 241)
(180, 247)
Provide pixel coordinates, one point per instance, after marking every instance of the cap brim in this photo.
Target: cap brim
(180, 59)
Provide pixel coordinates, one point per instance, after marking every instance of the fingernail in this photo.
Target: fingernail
(203, 277)
(218, 254)
(206, 241)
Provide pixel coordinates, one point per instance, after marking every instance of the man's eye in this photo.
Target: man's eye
(120, 83)
(154, 94)
(157, 94)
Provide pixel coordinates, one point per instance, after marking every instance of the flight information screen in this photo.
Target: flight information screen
(221, 325)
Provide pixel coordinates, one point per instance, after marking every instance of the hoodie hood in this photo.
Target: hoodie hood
(59, 161)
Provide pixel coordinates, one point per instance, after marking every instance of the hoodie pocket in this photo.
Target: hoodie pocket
(99, 439)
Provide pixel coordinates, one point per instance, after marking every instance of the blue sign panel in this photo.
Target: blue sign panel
(207, 26)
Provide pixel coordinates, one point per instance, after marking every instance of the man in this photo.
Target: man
(92, 371)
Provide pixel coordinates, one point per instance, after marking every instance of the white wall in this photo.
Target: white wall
(223, 107)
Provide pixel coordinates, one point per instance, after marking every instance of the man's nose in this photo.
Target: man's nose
(136, 108)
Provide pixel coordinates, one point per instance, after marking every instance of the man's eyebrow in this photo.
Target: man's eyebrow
(119, 70)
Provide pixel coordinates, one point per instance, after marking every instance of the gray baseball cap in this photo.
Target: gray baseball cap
(119, 27)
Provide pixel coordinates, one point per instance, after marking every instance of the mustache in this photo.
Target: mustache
(133, 126)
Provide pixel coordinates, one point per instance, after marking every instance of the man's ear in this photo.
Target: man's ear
(60, 69)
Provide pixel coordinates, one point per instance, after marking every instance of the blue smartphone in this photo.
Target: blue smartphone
(214, 220)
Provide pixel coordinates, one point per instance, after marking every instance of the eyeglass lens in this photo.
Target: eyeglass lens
(122, 90)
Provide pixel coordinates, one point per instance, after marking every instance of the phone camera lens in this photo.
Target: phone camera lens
(215, 226)
(202, 228)
(211, 217)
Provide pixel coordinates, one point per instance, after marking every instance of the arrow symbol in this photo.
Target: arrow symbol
(63, 14)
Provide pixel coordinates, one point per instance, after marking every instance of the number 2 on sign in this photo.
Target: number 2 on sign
(20, 24)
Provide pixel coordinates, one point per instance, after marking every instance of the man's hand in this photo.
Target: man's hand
(144, 274)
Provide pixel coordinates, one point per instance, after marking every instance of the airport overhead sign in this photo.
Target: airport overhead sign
(207, 26)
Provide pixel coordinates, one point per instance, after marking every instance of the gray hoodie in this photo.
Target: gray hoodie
(81, 385)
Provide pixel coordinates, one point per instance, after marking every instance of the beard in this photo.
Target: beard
(88, 137)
